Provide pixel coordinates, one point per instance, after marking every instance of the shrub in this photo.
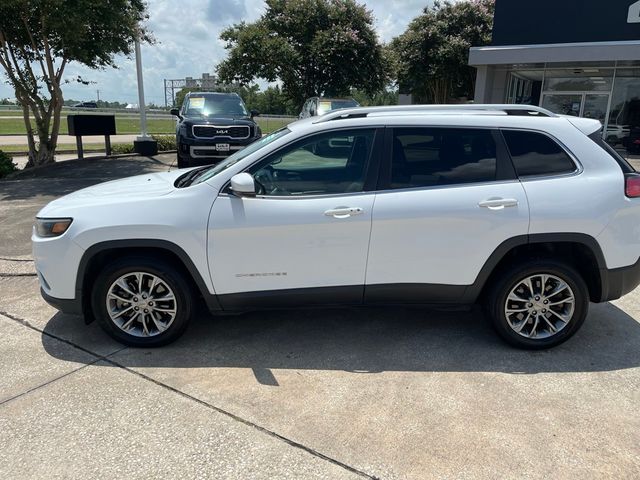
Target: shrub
(165, 142)
(120, 148)
(6, 164)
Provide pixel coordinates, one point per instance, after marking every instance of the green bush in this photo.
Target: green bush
(165, 142)
(6, 164)
(120, 148)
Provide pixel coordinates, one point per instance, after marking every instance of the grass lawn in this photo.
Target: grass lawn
(11, 126)
(88, 147)
(10, 113)
(131, 125)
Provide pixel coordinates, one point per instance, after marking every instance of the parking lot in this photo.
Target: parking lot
(388, 393)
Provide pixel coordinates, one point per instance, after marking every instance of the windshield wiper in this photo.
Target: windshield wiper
(188, 178)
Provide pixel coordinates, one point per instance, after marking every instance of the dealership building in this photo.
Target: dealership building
(574, 57)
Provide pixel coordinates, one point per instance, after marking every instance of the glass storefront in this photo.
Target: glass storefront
(606, 91)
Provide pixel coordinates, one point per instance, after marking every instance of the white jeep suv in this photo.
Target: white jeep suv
(529, 212)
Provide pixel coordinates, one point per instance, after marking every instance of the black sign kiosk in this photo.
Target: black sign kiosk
(80, 125)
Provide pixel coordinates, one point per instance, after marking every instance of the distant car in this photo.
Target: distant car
(616, 134)
(316, 106)
(86, 105)
(211, 126)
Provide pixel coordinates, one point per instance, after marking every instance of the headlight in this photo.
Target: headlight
(52, 227)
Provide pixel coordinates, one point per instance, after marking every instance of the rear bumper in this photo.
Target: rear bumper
(618, 282)
(69, 306)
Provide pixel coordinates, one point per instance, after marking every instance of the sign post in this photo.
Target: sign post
(144, 144)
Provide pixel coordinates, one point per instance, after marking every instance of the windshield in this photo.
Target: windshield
(325, 106)
(239, 155)
(211, 105)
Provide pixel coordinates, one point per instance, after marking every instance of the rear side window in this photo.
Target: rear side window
(427, 157)
(537, 154)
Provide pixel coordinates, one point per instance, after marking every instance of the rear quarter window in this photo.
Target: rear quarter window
(536, 154)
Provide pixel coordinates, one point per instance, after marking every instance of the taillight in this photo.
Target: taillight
(632, 185)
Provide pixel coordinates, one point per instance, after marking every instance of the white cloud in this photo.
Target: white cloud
(187, 45)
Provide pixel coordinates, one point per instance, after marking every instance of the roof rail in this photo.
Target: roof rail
(360, 112)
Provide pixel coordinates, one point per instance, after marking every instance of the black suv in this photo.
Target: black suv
(212, 126)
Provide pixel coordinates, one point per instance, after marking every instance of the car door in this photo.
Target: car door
(448, 199)
(303, 238)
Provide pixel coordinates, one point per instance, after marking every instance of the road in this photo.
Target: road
(389, 393)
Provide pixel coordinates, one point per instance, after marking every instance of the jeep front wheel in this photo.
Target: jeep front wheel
(142, 302)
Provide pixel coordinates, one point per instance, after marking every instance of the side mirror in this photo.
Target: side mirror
(255, 113)
(175, 112)
(243, 184)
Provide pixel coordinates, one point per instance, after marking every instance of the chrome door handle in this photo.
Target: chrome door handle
(498, 203)
(343, 212)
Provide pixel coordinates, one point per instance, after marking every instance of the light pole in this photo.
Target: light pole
(144, 144)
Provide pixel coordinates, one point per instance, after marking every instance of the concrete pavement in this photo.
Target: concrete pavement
(337, 393)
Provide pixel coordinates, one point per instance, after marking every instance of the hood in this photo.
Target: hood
(218, 120)
(117, 191)
(151, 184)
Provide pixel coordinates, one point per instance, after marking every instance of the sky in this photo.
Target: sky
(187, 45)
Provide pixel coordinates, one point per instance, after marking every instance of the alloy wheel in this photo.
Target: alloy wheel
(539, 306)
(141, 304)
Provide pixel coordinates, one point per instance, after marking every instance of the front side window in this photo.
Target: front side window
(428, 157)
(330, 163)
(214, 170)
(534, 153)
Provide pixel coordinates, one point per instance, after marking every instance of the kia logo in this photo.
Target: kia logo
(221, 132)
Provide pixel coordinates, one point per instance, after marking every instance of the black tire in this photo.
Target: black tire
(508, 279)
(183, 162)
(169, 274)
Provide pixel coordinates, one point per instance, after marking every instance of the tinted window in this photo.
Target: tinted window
(239, 155)
(425, 157)
(323, 164)
(537, 154)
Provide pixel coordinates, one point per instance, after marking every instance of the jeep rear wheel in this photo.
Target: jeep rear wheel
(538, 304)
(142, 302)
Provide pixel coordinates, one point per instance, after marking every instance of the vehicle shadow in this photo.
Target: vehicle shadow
(377, 340)
(65, 177)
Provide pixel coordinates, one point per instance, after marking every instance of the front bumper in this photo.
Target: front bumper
(199, 148)
(68, 306)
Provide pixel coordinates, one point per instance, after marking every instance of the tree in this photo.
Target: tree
(314, 47)
(39, 38)
(430, 58)
(384, 97)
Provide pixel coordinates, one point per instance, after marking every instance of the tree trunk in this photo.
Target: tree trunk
(47, 127)
(44, 151)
